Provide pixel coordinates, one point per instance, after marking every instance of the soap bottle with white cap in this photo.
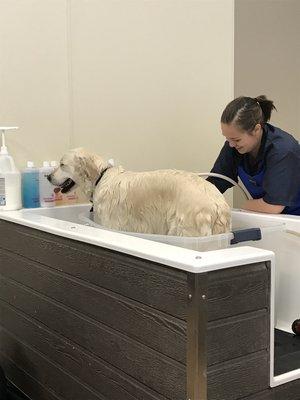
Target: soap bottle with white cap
(10, 177)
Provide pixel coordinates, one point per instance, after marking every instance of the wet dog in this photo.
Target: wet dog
(165, 202)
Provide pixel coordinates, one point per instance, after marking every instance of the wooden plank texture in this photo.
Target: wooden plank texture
(237, 290)
(151, 327)
(238, 378)
(236, 336)
(154, 328)
(287, 391)
(140, 362)
(25, 382)
(48, 374)
(142, 280)
(85, 366)
(116, 325)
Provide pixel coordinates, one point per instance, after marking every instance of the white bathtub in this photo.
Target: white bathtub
(286, 246)
(280, 234)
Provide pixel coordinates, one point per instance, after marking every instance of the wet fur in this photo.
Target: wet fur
(167, 202)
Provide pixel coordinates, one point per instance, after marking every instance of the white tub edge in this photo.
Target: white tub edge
(178, 257)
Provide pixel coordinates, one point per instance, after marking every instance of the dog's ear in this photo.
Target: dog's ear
(99, 163)
(82, 167)
(90, 165)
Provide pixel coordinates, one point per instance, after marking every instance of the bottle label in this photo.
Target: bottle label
(2, 192)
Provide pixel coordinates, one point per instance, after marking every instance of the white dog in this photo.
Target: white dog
(165, 202)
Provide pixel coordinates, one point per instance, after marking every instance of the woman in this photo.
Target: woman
(264, 157)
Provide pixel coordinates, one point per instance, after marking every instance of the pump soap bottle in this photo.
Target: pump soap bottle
(10, 177)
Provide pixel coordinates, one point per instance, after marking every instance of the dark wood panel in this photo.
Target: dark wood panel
(48, 374)
(237, 336)
(237, 290)
(142, 280)
(98, 281)
(147, 325)
(287, 391)
(231, 292)
(239, 378)
(103, 377)
(26, 383)
(228, 338)
(148, 366)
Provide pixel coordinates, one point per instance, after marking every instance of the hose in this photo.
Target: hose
(239, 185)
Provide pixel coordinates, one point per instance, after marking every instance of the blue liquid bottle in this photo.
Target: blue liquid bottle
(30, 186)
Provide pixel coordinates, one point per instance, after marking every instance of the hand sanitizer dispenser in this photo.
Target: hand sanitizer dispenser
(10, 178)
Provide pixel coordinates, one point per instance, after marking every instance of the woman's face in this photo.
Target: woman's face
(243, 141)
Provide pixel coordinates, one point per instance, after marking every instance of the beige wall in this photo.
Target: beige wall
(141, 81)
(150, 79)
(267, 57)
(34, 89)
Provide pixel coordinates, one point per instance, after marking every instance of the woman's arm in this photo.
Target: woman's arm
(260, 205)
(225, 165)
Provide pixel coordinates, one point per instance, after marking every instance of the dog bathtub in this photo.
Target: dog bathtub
(280, 234)
(92, 313)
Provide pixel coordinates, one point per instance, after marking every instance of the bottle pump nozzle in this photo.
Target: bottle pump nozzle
(3, 129)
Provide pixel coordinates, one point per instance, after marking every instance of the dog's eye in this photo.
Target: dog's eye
(61, 164)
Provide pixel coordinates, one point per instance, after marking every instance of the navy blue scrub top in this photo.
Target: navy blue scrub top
(277, 164)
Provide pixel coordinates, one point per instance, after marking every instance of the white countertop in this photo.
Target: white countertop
(178, 257)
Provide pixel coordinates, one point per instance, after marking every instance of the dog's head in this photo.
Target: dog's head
(78, 167)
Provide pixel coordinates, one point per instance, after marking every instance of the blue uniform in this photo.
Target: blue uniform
(273, 176)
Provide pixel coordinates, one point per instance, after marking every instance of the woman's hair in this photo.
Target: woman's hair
(246, 112)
